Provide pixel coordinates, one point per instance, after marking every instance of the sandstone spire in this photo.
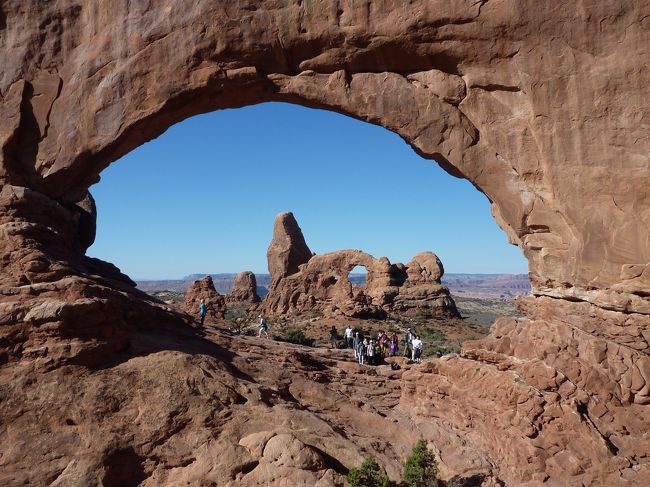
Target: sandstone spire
(244, 289)
(288, 249)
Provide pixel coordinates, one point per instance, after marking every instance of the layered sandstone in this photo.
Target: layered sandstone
(321, 282)
(244, 289)
(203, 291)
(540, 105)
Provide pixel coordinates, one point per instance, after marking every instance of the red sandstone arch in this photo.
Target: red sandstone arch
(543, 107)
(489, 111)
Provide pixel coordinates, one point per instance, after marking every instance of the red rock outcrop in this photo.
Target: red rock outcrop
(288, 249)
(321, 282)
(203, 290)
(244, 289)
(541, 105)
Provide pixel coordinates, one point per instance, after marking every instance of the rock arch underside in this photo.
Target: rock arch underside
(543, 106)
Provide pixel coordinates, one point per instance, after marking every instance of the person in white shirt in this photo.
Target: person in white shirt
(349, 338)
(417, 349)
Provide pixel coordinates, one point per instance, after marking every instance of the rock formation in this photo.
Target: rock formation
(244, 289)
(288, 249)
(542, 106)
(321, 282)
(203, 289)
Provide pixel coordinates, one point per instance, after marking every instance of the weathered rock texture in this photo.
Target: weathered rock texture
(244, 289)
(203, 289)
(288, 249)
(308, 282)
(543, 106)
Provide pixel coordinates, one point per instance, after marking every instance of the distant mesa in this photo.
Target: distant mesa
(302, 281)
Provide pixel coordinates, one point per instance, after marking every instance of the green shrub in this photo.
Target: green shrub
(294, 335)
(421, 469)
(369, 474)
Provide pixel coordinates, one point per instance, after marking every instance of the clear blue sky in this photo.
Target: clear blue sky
(201, 198)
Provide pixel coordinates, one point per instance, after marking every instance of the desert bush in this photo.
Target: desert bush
(294, 335)
(420, 468)
(369, 474)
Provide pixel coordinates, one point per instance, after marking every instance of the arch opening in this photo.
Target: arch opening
(191, 165)
(358, 276)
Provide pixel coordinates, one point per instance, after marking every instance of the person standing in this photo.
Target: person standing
(394, 345)
(334, 337)
(363, 350)
(370, 352)
(264, 327)
(408, 338)
(417, 349)
(203, 310)
(355, 344)
(348, 336)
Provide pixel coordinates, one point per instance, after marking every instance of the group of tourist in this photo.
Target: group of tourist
(367, 350)
(372, 351)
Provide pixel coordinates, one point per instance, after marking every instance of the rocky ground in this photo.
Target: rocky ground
(440, 334)
(228, 410)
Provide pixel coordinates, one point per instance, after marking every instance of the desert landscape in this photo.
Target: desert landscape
(541, 106)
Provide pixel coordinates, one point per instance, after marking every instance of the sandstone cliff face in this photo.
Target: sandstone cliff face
(203, 290)
(244, 289)
(322, 282)
(541, 105)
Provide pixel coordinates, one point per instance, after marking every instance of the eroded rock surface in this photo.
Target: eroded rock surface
(183, 407)
(244, 289)
(543, 106)
(321, 282)
(203, 290)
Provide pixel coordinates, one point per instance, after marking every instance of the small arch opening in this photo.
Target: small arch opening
(358, 276)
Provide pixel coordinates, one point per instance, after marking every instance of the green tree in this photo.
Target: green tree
(421, 469)
(369, 474)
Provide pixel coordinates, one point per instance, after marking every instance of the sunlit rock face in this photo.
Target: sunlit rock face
(244, 290)
(203, 291)
(303, 282)
(541, 105)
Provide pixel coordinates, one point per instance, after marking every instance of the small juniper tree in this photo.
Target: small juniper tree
(369, 474)
(421, 469)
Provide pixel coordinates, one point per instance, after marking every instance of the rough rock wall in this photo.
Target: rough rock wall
(321, 282)
(543, 106)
